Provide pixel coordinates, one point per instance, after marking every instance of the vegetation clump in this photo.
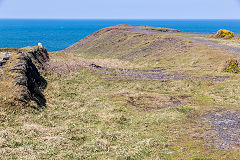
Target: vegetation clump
(232, 66)
(222, 33)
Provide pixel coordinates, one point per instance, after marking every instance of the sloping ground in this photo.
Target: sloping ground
(227, 46)
(120, 43)
(172, 57)
(20, 80)
(203, 38)
(149, 49)
(107, 99)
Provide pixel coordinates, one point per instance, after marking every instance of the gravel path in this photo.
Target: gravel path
(227, 129)
(137, 30)
(202, 41)
(224, 131)
(209, 43)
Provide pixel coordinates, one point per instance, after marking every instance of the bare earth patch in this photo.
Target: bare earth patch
(148, 103)
(160, 74)
(226, 128)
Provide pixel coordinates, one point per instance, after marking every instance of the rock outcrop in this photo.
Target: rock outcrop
(21, 82)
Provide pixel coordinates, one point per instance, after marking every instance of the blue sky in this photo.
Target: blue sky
(121, 9)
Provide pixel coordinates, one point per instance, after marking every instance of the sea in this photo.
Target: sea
(57, 35)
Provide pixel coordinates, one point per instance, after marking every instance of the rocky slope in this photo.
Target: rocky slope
(20, 80)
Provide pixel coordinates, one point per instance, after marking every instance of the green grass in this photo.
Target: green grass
(233, 42)
(88, 117)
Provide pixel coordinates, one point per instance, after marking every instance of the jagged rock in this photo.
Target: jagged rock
(95, 66)
(6, 56)
(2, 62)
(23, 71)
(21, 80)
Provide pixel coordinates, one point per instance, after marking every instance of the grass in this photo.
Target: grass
(88, 117)
(7, 84)
(98, 124)
(161, 29)
(234, 42)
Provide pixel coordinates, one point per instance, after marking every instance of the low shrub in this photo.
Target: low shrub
(232, 66)
(222, 33)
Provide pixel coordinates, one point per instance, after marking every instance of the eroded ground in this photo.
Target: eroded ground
(130, 95)
(227, 129)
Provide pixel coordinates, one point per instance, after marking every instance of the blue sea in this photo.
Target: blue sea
(58, 34)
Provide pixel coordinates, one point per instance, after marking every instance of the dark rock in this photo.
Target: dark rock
(21, 80)
(3, 62)
(29, 66)
(6, 57)
(29, 83)
(95, 66)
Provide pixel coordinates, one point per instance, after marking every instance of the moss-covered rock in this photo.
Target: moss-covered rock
(232, 66)
(20, 79)
(222, 33)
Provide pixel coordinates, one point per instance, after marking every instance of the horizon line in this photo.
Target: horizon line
(111, 19)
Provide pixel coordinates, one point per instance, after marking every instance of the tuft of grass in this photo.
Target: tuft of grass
(89, 117)
(202, 159)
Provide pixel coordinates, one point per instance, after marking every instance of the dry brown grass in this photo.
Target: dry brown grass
(234, 42)
(69, 62)
(121, 44)
(89, 117)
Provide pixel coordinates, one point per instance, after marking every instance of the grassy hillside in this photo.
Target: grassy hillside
(150, 96)
(150, 50)
(121, 43)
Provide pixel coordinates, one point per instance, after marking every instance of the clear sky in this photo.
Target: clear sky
(121, 9)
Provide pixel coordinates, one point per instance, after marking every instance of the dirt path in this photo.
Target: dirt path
(226, 127)
(210, 43)
(202, 41)
(160, 74)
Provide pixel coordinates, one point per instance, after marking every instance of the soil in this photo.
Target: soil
(160, 74)
(148, 103)
(202, 41)
(209, 43)
(225, 129)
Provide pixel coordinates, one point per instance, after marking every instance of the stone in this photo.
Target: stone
(27, 83)
(40, 45)
(3, 62)
(95, 66)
